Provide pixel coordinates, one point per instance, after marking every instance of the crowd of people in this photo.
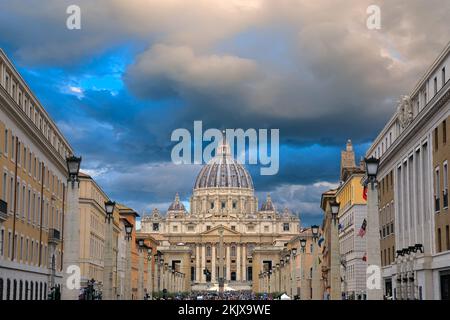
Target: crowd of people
(228, 295)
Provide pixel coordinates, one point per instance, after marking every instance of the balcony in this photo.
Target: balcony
(53, 236)
(3, 211)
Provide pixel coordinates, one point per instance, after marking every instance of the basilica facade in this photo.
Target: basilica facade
(224, 213)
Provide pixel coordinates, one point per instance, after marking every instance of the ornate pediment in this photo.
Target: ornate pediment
(216, 231)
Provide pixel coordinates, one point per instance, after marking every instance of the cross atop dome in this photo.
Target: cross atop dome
(224, 148)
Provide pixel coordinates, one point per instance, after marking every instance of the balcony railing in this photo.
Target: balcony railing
(53, 236)
(3, 210)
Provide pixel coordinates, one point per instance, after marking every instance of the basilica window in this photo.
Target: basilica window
(285, 226)
(208, 227)
(233, 228)
(233, 251)
(266, 228)
(223, 204)
(208, 251)
(251, 228)
(212, 205)
(190, 228)
(234, 204)
(156, 227)
(175, 228)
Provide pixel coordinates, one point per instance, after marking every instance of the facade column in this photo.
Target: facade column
(304, 294)
(203, 276)
(128, 271)
(228, 263)
(238, 263)
(373, 237)
(244, 262)
(71, 238)
(213, 263)
(198, 272)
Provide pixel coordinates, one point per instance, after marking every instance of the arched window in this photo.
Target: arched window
(40, 290)
(1, 289)
(31, 290)
(36, 291)
(45, 291)
(233, 251)
(208, 251)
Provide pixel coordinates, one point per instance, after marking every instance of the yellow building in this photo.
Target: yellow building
(32, 189)
(352, 213)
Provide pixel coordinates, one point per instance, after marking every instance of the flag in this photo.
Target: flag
(364, 258)
(362, 231)
(321, 239)
(365, 192)
(339, 227)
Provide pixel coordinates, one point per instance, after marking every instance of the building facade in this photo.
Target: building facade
(223, 200)
(352, 213)
(32, 189)
(413, 152)
(93, 233)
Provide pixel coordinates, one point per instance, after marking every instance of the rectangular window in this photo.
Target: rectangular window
(437, 189)
(444, 131)
(435, 85)
(447, 238)
(443, 76)
(439, 240)
(285, 226)
(5, 187)
(6, 141)
(2, 241)
(436, 139)
(445, 185)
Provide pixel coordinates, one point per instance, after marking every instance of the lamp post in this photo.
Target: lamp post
(108, 257)
(293, 271)
(149, 273)
(71, 234)
(128, 238)
(335, 282)
(315, 281)
(304, 295)
(374, 292)
(141, 248)
(161, 275)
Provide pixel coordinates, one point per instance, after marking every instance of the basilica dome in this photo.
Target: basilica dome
(223, 171)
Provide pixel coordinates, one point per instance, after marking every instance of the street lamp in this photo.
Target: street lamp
(334, 205)
(128, 230)
(303, 244)
(315, 231)
(149, 254)
(109, 207)
(294, 251)
(73, 167)
(141, 245)
(372, 165)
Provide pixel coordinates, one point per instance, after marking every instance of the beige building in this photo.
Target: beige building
(413, 178)
(93, 233)
(223, 199)
(32, 190)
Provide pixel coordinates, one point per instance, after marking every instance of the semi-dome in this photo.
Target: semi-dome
(177, 205)
(223, 171)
